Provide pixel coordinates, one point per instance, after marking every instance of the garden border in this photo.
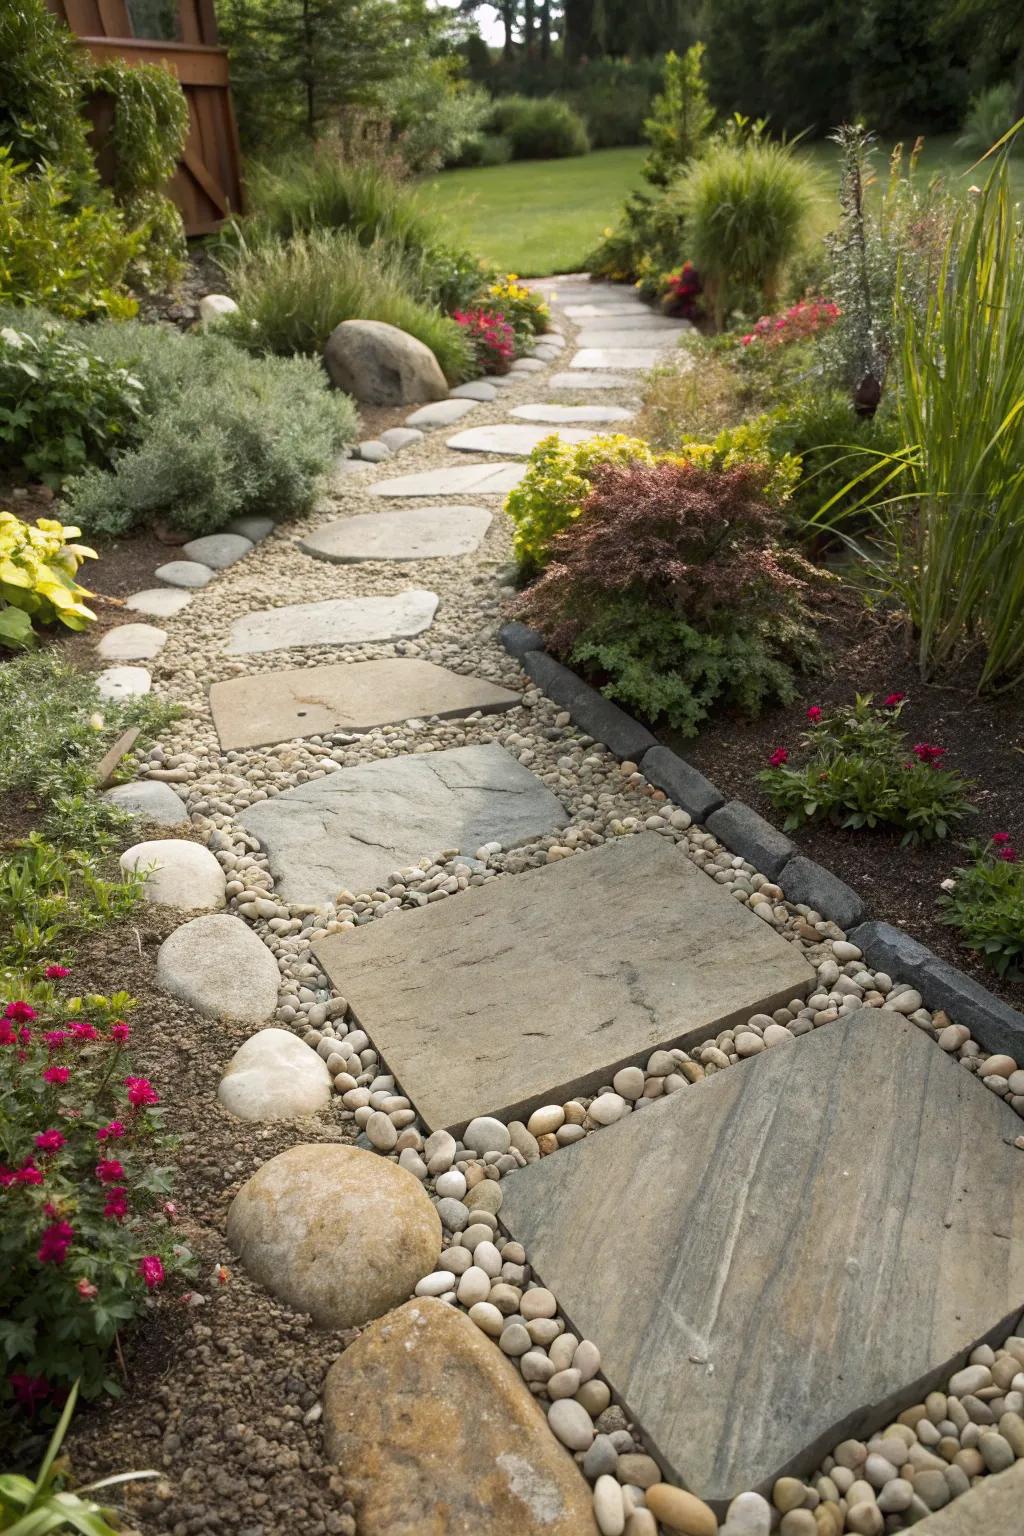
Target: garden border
(993, 1023)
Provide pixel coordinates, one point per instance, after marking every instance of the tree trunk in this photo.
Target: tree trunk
(307, 48)
(508, 19)
(577, 29)
(545, 29)
(528, 27)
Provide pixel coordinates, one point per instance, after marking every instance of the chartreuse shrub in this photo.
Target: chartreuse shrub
(37, 578)
(558, 480)
(671, 587)
(681, 116)
(858, 771)
(984, 902)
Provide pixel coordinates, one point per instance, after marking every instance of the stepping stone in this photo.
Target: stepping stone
(336, 621)
(220, 967)
(594, 311)
(527, 365)
(373, 451)
(617, 357)
(158, 602)
(585, 380)
(458, 480)
(251, 528)
(272, 707)
(441, 414)
(608, 339)
(509, 437)
(829, 1224)
(184, 573)
(397, 438)
(559, 413)
(123, 682)
(416, 533)
(350, 829)
(218, 550)
(426, 1377)
(132, 642)
(149, 800)
(177, 873)
(475, 389)
(334, 1231)
(528, 989)
(275, 1076)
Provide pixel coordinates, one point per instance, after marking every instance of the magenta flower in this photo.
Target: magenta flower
(28, 1173)
(928, 752)
(49, 1141)
(110, 1132)
(8, 1035)
(56, 1075)
(152, 1271)
(29, 1391)
(56, 1240)
(116, 1207)
(56, 972)
(120, 1033)
(109, 1170)
(778, 757)
(55, 1038)
(82, 1031)
(22, 1013)
(141, 1092)
(892, 699)
(814, 713)
(1007, 855)
(1000, 838)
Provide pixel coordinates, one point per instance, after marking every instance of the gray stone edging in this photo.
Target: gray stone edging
(994, 1024)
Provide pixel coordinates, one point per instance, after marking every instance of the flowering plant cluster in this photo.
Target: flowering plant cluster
(799, 323)
(984, 899)
(859, 772)
(682, 292)
(84, 1218)
(525, 310)
(491, 336)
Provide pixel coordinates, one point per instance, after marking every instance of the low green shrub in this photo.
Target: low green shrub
(49, 896)
(433, 113)
(324, 191)
(859, 772)
(649, 241)
(61, 406)
(525, 311)
(559, 477)
(486, 149)
(820, 427)
(449, 277)
(41, 122)
(226, 434)
(37, 578)
(539, 128)
(990, 115)
(291, 296)
(984, 902)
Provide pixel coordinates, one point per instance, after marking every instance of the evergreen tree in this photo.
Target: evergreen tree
(681, 116)
(908, 79)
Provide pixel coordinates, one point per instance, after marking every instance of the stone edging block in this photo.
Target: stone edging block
(993, 1023)
(519, 638)
(804, 881)
(749, 835)
(683, 783)
(606, 722)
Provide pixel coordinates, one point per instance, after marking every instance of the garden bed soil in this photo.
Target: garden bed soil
(984, 740)
(222, 1394)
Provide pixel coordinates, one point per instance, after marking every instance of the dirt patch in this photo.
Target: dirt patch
(984, 740)
(218, 1392)
(375, 419)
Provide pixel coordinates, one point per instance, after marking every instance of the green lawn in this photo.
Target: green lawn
(536, 217)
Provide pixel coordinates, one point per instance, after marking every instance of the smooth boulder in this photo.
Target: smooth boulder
(438, 1435)
(219, 966)
(381, 365)
(275, 1076)
(334, 1231)
(177, 873)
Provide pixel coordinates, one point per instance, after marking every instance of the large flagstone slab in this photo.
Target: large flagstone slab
(348, 831)
(336, 621)
(454, 480)
(556, 414)
(532, 987)
(271, 707)
(414, 533)
(592, 310)
(511, 437)
(582, 379)
(617, 357)
(780, 1256)
(609, 337)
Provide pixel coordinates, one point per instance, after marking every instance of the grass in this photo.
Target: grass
(536, 217)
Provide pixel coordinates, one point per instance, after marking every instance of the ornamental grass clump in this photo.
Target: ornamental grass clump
(859, 772)
(671, 588)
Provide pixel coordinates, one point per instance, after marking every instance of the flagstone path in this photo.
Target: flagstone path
(729, 1200)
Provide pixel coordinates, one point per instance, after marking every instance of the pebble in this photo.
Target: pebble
(572, 1424)
(381, 1131)
(486, 1135)
(452, 1183)
(546, 1120)
(642, 1471)
(608, 1507)
(487, 1318)
(538, 1302)
(474, 1285)
(681, 1511)
(601, 1458)
(628, 1082)
(748, 1515)
(607, 1108)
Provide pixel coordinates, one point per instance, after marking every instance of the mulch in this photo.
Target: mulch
(867, 652)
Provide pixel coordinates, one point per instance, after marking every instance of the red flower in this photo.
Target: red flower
(86, 1289)
(141, 1091)
(110, 1132)
(814, 713)
(56, 1240)
(778, 757)
(55, 1038)
(29, 1391)
(152, 1271)
(1007, 855)
(116, 1207)
(7, 1033)
(23, 1013)
(28, 1173)
(56, 1075)
(928, 752)
(120, 1032)
(49, 1141)
(56, 972)
(109, 1170)
(892, 699)
(83, 1031)
(1000, 838)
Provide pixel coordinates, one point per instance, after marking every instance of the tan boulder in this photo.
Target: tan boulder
(381, 365)
(334, 1231)
(437, 1435)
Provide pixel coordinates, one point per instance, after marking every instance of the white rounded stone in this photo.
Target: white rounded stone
(486, 1134)
(123, 682)
(629, 1082)
(177, 873)
(275, 1076)
(546, 1120)
(217, 965)
(132, 642)
(607, 1108)
(571, 1423)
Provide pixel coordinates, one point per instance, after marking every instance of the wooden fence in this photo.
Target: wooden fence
(207, 186)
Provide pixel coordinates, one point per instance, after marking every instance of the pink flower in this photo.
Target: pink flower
(57, 1075)
(55, 1038)
(83, 1031)
(814, 713)
(170, 1210)
(28, 1173)
(86, 1289)
(152, 1271)
(8, 1035)
(56, 972)
(116, 1207)
(999, 838)
(141, 1091)
(892, 699)
(110, 1132)
(109, 1170)
(778, 757)
(49, 1141)
(56, 1240)
(928, 752)
(22, 1013)
(120, 1033)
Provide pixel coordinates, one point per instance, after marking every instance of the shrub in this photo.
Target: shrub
(82, 1241)
(681, 116)
(69, 259)
(673, 585)
(292, 296)
(433, 113)
(990, 115)
(691, 396)
(745, 206)
(40, 92)
(325, 191)
(648, 242)
(860, 773)
(37, 578)
(613, 96)
(491, 336)
(749, 442)
(61, 407)
(225, 435)
(558, 480)
(486, 149)
(448, 277)
(539, 128)
(984, 901)
(525, 310)
(802, 321)
(820, 427)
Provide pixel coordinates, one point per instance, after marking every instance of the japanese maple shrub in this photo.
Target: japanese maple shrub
(857, 771)
(671, 588)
